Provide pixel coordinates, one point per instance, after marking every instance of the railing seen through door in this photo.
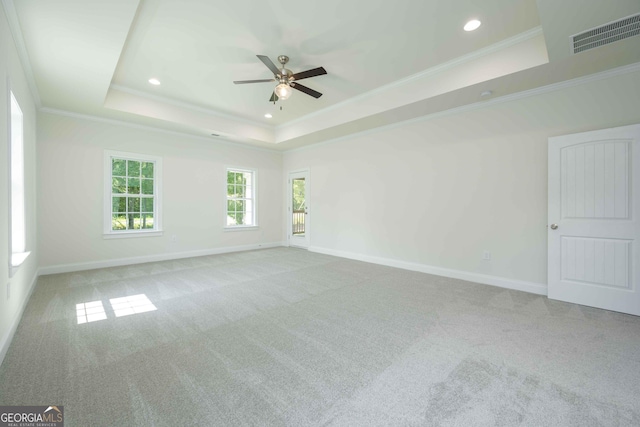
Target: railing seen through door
(298, 221)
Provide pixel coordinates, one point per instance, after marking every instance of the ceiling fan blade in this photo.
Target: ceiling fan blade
(270, 65)
(309, 73)
(306, 90)
(273, 98)
(242, 82)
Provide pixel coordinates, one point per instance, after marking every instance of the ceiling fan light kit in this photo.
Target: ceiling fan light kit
(286, 79)
(283, 91)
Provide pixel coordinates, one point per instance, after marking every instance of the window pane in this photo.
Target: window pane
(133, 168)
(147, 221)
(133, 178)
(231, 218)
(17, 217)
(118, 222)
(147, 186)
(118, 185)
(248, 217)
(118, 167)
(134, 221)
(298, 194)
(119, 204)
(134, 186)
(134, 204)
(240, 206)
(147, 204)
(240, 218)
(147, 170)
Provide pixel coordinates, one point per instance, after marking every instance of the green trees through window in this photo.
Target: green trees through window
(240, 198)
(132, 194)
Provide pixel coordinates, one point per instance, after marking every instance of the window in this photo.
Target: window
(17, 215)
(241, 207)
(132, 186)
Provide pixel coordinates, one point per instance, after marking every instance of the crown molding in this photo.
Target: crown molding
(117, 122)
(193, 107)
(456, 62)
(614, 72)
(496, 47)
(21, 48)
(470, 107)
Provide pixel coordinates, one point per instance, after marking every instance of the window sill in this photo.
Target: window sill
(132, 234)
(17, 259)
(241, 228)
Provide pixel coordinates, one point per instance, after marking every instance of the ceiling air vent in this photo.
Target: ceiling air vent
(608, 33)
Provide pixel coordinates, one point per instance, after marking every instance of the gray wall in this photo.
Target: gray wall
(439, 192)
(70, 193)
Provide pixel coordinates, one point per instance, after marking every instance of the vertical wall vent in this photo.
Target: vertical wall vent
(605, 34)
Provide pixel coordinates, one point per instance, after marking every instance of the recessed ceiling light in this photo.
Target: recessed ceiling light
(486, 93)
(154, 81)
(268, 116)
(472, 25)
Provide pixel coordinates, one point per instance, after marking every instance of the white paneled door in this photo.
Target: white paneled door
(594, 231)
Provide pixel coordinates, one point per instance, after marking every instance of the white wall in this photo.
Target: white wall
(439, 192)
(70, 191)
(11, 73)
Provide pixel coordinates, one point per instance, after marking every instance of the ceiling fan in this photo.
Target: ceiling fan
(286, 79)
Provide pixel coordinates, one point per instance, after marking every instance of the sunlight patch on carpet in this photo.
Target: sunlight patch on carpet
(133, 304)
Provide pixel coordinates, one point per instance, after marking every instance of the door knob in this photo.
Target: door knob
(554, 226)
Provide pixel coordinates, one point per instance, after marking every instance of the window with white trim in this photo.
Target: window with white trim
(17, 214)
(241, 206)
(132, 189)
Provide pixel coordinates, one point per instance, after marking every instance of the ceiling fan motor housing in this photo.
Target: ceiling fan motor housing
(285, 74)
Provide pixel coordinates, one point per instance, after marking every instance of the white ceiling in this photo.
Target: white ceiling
(386, 61)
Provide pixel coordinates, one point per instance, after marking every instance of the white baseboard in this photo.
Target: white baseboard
(519, 285)
(8, 337)
(67, 268)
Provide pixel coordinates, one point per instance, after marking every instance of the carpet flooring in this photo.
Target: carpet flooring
(284, 337)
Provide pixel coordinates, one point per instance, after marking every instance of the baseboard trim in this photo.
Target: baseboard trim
(8, 337)
(485, 279)
(68, 268)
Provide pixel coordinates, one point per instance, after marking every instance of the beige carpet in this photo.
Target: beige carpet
(286, 337)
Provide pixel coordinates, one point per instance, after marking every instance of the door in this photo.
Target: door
(298, 209)
(594, 231)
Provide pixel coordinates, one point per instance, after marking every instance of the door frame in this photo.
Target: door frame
(291, 239)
